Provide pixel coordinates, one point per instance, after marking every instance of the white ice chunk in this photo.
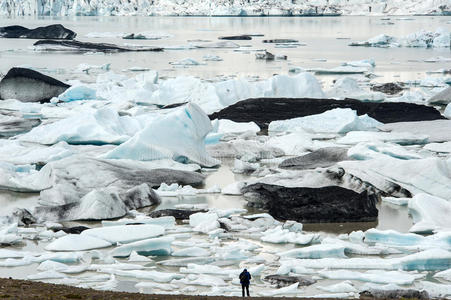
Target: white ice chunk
(375, 276)
(338, 120)
(75, 242)
(78, 92)
(402, 138)
(178, 135)
(150, 275)
(155, 246)
(104, 126)
(429, 213)
(192, 251)
(125, 234)
(342, 287)
(316, 251)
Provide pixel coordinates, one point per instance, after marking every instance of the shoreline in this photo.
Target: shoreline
(27, 289)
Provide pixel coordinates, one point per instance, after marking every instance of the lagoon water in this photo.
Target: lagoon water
(326, 42)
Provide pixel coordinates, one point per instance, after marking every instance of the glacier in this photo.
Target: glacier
(219, 8)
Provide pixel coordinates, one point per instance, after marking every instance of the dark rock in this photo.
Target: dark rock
(264, 110)
(236, 37)
(179, 214)
(27, 85)
(314, 205)
(72, 230)
(54, 45)
(388, 88)
(57, 32)
(280, 41)
(321, 158)
(283, 280)
(395, 294)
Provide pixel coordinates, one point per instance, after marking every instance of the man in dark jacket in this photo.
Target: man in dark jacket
(245, 278)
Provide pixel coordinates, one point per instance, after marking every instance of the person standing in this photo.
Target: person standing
(245, 280)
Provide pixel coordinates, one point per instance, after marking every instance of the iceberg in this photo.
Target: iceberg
(149, 275)
(75, 242)
(156, 246)
(437, 290)
(429, 213)
(370, 150)
(338, 120)
(374, 276)
(77, 93)
(281, 236)
(163, 137)
(342, 287)
(348, 87)
(103, 126)
(316, 251)
(191, 251)
(124, 234)
(427, 175)
(401, 138)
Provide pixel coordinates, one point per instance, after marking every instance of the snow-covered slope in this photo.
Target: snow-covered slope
(222, 7)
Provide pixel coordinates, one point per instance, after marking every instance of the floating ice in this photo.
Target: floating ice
(167, 221)
(338, 120)
(192, 251)
(396, 201)
(163, 137)
(370, 150)
(280, 236)
(103, 126)
(316, 251)
(155, 246)
(186, 62)
(342, 287)
(125, 233)
(348, 87)
(75, 242)
(444, 274)
(375, 276)
(76, 93)
(366, 63)
(46, 275)
(429, 213)
(402, 138)
(204, 222)
(150, 275)
(288, 290)
(154, 285)
(437, 290)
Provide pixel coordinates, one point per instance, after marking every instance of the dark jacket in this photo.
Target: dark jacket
(245, 277)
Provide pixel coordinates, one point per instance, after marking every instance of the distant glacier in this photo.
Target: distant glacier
(11, 8)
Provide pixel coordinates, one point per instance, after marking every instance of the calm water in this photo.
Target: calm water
(325, 38)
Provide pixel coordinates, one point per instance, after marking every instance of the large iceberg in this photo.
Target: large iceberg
(338, 120)
(103, 126)
(178, 135)
(427, 175)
